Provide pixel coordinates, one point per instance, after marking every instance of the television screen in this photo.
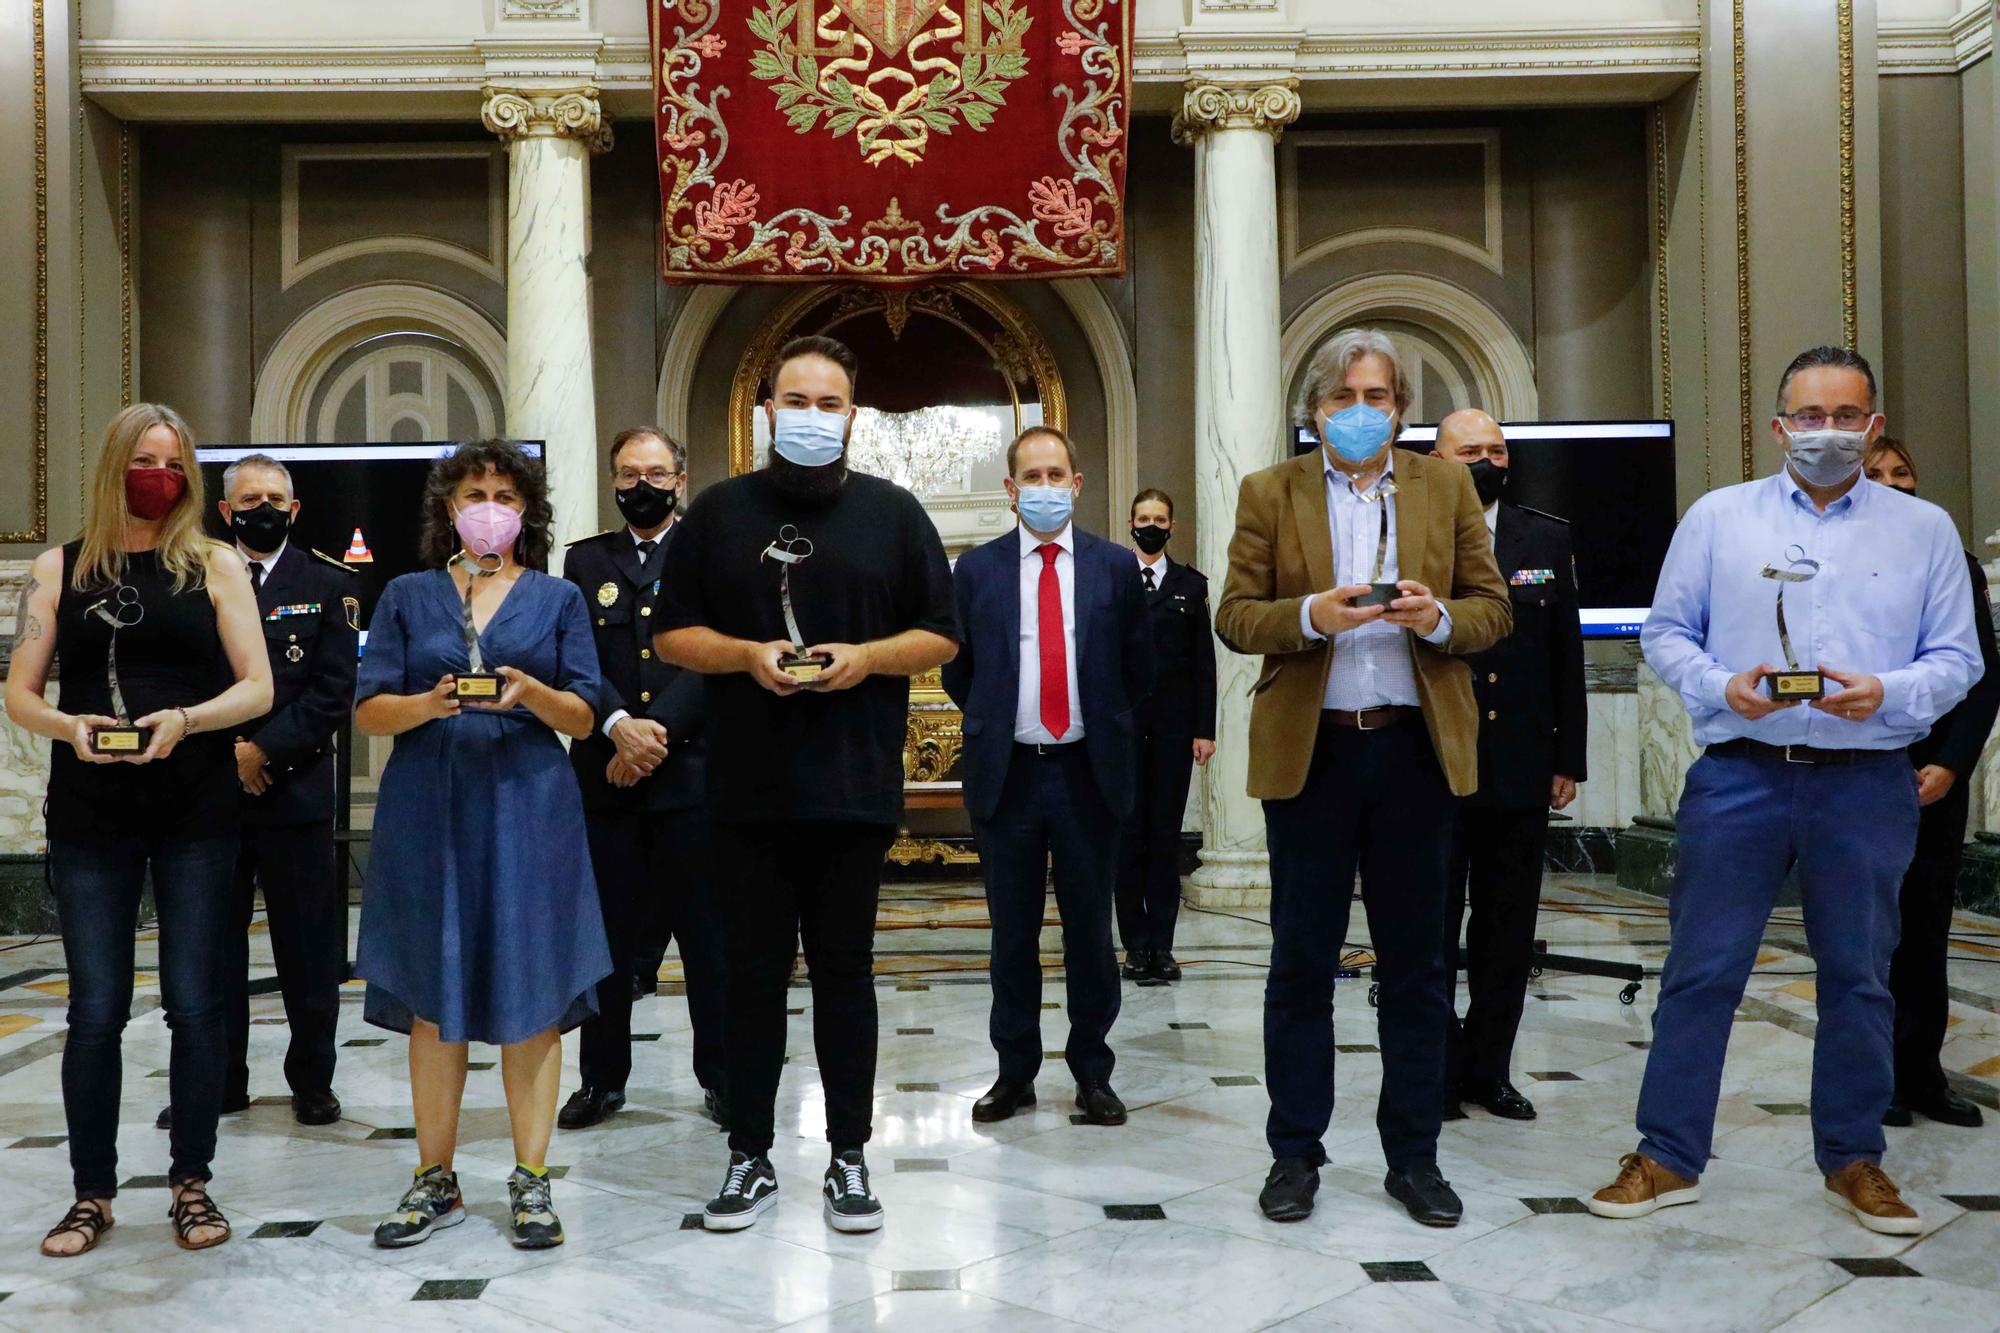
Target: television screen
(360, 503)
(1614, 482)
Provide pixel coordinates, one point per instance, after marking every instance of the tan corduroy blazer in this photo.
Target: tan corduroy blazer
(1282, 553)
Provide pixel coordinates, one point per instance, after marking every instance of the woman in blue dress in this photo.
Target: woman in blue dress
(481, 920)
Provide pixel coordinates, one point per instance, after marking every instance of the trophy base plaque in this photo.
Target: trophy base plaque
(476, 687)
(1795, 686)
(1378, 594)
(804, 668)
(122, 739)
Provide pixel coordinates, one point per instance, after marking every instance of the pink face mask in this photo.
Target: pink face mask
(488, 528)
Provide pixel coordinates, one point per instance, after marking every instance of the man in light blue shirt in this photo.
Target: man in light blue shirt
(1813, 569)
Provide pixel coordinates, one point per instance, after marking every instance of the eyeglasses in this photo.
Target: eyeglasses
(1847, 418)
(626, 478)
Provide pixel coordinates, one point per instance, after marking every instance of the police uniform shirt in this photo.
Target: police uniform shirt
(309, 606)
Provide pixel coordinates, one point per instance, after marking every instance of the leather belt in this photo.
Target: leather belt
(1369, 719)
(1745, 748)
(1043, 750)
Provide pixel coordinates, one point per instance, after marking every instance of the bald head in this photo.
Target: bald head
(1469, 435)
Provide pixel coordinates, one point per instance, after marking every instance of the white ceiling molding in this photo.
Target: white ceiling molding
(1919, 46)
(491, 265)
(317, 338)
(1487, 252)
(685, 342)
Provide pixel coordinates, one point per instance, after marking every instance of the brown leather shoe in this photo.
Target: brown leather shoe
(1643, 1186)
(1862, 1189)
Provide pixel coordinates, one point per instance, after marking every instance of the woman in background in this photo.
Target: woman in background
(1944, 761)
(188, 665)
(481, 921)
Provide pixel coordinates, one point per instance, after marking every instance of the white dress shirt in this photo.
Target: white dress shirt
(655, 539)
(269, 562)
(1157, 563)
(1028, 728)
(1493, 518)
(1372, 667)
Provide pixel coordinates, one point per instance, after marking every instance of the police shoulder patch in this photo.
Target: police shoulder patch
(352, 605)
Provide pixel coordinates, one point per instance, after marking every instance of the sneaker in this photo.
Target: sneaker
(1862, 1189)
(1643, 1186)
(532, 1220)
(750, 1187)
(431, 1204)
(850, 1204)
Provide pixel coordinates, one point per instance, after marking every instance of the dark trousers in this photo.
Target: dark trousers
(1149, 862)
(294, 866)
(1050, 810)
(1917, 970)
(785, 882)
(97, 890)
(652, 871)
(1496, 865)
(1743, 823)
(1376, 801)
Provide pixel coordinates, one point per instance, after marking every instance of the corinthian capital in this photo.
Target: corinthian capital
(1206, 107)
(566, 113)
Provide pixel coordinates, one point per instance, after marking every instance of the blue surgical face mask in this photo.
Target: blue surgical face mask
(1357, 433)
(809, 437)
(1046, 508)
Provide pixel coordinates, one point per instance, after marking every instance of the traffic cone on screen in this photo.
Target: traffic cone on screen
(357, 551)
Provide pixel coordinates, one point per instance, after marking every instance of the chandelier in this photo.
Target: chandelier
(926, 451)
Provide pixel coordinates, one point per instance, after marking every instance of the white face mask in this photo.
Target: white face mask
(1826, 457)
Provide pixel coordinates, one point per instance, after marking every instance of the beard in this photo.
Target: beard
(812, 487)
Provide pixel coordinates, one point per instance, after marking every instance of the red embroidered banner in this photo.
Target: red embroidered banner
(891, 140)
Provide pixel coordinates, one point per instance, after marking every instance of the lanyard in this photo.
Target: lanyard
(1378, 497)
(476, 570)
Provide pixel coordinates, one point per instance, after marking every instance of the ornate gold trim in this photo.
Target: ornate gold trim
(82, 318)
(124, 261)
(932, 744)
(1743, 361)
(38, 530)
(908, 851)
(1662, 293)
(1028, 345)
(1206, 107)
(1701, 241)
(1850, 312)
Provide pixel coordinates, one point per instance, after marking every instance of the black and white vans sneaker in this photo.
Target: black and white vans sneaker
(431, 1204)
(750, 1187)
(532, 1221)
(850, 1204)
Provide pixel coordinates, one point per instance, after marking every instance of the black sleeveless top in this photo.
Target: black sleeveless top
(169, 654)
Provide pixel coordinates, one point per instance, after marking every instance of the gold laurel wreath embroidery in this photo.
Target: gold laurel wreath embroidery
(966, 92)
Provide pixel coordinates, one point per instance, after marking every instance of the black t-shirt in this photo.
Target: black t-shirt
(877, 568)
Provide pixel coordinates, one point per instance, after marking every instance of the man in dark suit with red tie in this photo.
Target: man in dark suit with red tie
(1054, 655)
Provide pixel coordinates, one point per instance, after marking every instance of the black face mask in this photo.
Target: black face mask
(261, 530)
(1907, 490)
(1151, 540)
(645, 505)
(1489, 479)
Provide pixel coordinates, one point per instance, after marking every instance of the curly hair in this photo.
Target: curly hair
(439, 539)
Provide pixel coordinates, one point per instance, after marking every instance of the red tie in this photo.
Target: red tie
(1055, 655)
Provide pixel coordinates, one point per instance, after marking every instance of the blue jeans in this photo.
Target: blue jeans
(1743, 823)
(97, 888)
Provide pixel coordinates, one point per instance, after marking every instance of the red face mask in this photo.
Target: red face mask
(152, 492)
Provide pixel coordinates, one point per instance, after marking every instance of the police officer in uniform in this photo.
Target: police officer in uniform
(1529, 688)
(641, 775)
(1176, 731)
(311, 610)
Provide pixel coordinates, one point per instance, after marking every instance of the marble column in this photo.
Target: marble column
(1240, 419)
(550, 390)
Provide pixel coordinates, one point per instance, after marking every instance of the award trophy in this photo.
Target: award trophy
(122, 738)
(1379, 593)
(1793, 684)
(477, 685)
(791, 549)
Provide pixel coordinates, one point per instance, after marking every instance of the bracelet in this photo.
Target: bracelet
(187, 723)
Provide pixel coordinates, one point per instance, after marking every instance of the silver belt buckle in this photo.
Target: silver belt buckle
(1788, 755)
(1361, 720)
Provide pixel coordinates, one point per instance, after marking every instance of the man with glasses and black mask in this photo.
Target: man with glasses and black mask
(641, 774)
(284, 764)
(809, 594)
(1815, 625)
(1529, 688)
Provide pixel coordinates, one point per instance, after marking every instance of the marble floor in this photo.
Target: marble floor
(1037, 1223)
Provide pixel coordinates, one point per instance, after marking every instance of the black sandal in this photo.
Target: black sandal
(192, 1210)
(85, 1218)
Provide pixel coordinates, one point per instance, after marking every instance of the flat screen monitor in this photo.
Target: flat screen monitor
(360, 503)
(1614, 482)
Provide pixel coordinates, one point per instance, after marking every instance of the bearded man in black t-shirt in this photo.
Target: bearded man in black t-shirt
(805, 776)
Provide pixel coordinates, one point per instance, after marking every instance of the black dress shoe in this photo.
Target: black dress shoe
(1947, 1108)
(1164, 966)
(715, 1105)
(1138, 964)
(1502, 1099)
(1426, 1194)
(315, 1108)
(586, 1106)
(230, 1106)
(643, 985)
(1452, 1110)
(1898, 1116)
(1003, 1099)
(1288, 1191)
(1099, 1104)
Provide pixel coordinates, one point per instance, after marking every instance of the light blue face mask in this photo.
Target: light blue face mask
(1357, 433)
(809, 437)
(1045, 508)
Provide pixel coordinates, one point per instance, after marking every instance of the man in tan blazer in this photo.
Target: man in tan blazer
(1363, 574)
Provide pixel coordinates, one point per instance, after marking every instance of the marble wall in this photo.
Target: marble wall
(1665, 739)
(24, 758)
